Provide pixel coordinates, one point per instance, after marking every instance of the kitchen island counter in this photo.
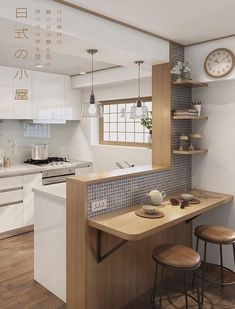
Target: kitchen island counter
(56, 191)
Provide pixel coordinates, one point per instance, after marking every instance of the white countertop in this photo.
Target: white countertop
(57, 191)
(25, 168)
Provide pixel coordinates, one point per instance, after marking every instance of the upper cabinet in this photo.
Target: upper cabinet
(72, 101)
(22, 94)
(6, 90)
(48, 96)
(37, 95)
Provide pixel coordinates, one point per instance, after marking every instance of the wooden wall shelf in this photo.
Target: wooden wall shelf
(190, 83)
(190, 117)
(190, 152)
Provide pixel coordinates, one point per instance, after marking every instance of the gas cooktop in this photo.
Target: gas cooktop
(49, 161)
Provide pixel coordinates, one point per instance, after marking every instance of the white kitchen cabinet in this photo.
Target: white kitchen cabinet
(48, 96)
(6, 90)
(50, 238)
(11, 203)
(11, 196)
(22, 109)
(10, 217)
(72, 101)
(30, 181)
(11, 182)
(17, 201)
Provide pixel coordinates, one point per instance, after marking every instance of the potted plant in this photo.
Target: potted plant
(182, 70)
(147, 123)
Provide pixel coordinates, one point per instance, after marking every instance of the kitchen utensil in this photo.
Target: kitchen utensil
(1, 161)
(149, 209)
(156, 197)
(39, 152)
(187, 196)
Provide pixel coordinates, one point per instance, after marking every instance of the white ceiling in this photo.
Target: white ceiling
(69, 59)
(183, 21)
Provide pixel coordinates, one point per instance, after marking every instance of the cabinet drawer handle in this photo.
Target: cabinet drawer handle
(11, 189)
(11, 203)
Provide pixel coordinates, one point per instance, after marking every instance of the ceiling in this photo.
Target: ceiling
(183, 21)
(69, 59)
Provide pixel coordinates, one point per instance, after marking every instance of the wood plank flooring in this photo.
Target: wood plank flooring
(18, 290)
(215, 297)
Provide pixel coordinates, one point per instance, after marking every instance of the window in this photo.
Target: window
(115, 129)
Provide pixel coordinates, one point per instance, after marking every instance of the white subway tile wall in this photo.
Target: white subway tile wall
(37, 130)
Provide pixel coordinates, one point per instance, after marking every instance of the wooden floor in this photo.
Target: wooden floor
(18, 290)
(215, 297)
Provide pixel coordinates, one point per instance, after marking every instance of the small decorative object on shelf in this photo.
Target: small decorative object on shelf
(194, 142)
(182, 70)
(186, 112)
(182, 139)
(198, 107)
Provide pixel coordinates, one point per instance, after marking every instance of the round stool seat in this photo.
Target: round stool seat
(215, 234)
(176, 256)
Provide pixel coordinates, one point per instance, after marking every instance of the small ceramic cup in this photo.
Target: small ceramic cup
(149, 209)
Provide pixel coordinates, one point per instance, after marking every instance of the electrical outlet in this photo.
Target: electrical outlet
(99, 205)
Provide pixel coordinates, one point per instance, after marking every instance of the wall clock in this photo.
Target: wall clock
(219, 62)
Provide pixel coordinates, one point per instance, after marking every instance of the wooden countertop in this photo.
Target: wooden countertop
(126, 224)
(119, 174)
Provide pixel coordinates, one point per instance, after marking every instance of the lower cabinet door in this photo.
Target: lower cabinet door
(11, 217)
(30, 182)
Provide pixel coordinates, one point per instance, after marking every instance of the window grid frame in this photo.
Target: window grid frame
(134, 143)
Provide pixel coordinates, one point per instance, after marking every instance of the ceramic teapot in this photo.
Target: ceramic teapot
(156, 197)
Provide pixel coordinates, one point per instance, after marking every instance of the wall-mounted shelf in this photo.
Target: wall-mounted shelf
(190, 152)
(190, 117)
(190, 84)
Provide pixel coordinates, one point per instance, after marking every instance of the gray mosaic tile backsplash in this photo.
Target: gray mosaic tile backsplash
(132, 191)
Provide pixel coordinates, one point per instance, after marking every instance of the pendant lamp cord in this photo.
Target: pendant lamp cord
(92, 73)
(139, 80)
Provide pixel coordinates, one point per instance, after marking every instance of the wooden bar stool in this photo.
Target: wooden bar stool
(175, 257)
(217, 235)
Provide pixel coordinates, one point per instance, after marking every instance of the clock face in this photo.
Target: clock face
(219, 62)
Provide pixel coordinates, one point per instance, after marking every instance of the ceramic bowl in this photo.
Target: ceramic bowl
(148, 209)
(187, 196)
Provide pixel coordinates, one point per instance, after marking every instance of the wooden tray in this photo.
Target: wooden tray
(156, 215)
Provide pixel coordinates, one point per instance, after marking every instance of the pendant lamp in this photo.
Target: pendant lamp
(139, 111)
(92, 109)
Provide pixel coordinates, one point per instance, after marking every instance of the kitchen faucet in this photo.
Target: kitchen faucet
(127, 163)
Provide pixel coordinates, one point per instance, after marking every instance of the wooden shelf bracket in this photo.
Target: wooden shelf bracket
(101, 257)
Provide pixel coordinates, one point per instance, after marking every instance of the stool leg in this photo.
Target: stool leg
(197, 244)
(197, 288)
(203, 271)
(221, 264)
(234, 253)
(185, 291)
(154, 287)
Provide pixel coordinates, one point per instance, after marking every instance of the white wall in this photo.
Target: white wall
(216, 170)
(66, 140)
(105, 156)
(198, 53)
